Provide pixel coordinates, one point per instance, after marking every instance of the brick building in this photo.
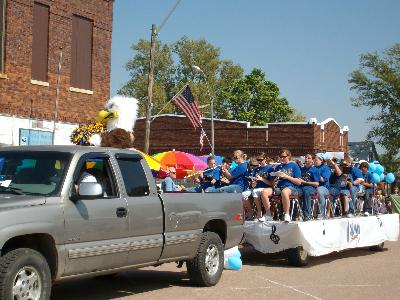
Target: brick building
(33, 34)
(175, 132)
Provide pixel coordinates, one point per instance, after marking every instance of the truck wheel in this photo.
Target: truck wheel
(206, 268)
(378, 247)
(24, 274)
(297, 257)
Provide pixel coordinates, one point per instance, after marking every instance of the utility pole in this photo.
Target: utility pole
(57, 94)
(150, 89)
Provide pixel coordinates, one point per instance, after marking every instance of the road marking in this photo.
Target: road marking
(253, 288)
(289, 287)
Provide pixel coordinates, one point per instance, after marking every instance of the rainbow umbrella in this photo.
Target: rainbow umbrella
(183, 162)
(153, 163)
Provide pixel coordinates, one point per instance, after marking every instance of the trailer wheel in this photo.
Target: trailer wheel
(378, 247)
(297, 257)
(24, 274)
(207, 266)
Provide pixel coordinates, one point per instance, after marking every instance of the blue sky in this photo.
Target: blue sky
(307, 47)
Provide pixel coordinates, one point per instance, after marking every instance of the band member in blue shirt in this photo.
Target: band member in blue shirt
(368, 188)
(264, 185)
(342, 183)
(210, 176)
(288, 178)
(357, 180)
(236, 177)
(323, 188)
(310, 181)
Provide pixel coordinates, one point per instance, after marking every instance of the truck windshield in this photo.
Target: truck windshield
(32, 172)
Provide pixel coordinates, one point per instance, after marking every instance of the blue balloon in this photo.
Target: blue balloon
(379, 169)
(371, 167)
(237, 253)
(390, 177)
(375, 178)
(234, 262)
(381, 177)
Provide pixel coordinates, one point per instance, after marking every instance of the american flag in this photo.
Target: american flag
(202, 136)
(185, 101)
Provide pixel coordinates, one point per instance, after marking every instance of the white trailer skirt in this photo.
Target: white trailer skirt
(320, 237)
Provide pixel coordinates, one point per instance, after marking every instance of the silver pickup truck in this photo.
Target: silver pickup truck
(77, 211)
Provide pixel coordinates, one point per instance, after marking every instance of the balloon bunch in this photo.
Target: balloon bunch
(232, 259)
(378, 175)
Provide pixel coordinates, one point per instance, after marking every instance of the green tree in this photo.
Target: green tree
(164, 76)
(216, 75)
(297, 116)
(377, 87)
(256, 100)
(170, 76)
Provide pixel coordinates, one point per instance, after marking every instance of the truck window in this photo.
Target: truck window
(135, 180)
(32, 172)
(99, 169)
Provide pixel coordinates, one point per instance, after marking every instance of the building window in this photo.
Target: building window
(81, 53)
(3, 9)
(40, 43)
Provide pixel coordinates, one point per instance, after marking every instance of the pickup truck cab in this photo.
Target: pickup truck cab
(86, 211)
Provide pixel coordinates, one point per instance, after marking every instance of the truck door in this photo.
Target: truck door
(97, 230)
(145, 211)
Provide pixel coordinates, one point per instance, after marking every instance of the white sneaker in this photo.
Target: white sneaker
(287, 218)
(265, 218)
(349, 215)
(366, 214)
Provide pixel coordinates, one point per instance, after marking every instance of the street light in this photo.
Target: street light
(197, 68)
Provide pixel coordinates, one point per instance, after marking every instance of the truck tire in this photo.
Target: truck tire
(297, 256)
(378, 247)
(24, 274)
(207, 266)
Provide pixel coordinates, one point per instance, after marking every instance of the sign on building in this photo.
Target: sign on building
(35, 137)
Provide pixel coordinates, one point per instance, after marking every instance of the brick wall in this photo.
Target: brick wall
(175, 132)
(18, 96)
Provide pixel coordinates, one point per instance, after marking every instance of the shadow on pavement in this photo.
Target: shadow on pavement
(121, 285)
(252, 257)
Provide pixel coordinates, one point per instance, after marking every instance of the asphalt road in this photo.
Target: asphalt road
(351, 274)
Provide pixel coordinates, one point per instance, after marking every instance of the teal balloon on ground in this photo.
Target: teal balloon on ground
(390, 177)
(234, 262)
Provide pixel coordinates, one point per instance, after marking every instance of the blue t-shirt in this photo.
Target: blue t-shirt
(263, 172)
(168, 185)
(214, 173)
(291, 169)
(310, 174)
(251, 172)
(238, 175)
(341, 182)
(368, 178)
(325, 173)
(356, 174)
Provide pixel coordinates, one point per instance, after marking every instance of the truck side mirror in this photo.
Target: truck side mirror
(87, 190)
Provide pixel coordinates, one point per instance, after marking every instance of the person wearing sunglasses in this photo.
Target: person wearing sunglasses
(288, 177)
(264, 187)
(168, 184)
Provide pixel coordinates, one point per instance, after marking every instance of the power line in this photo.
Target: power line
(168, 16)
